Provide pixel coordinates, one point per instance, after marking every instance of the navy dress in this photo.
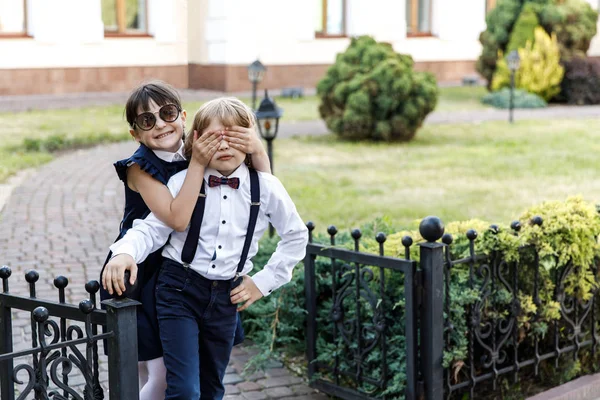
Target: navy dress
(149, 346)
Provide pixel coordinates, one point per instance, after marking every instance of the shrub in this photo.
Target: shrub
(521, 99)
(524, 29)
(540, 71)
(372, 92)
(499, 24)
(581, 83)
(574, 22)
(567, 238)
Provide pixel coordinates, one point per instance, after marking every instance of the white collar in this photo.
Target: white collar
(167, 155)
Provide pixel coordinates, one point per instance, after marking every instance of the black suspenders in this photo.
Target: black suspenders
(191, 241)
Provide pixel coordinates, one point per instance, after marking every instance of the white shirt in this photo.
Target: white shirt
(223, 231)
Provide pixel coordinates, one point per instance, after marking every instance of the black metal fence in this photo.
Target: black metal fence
(61, 350)
(356, 335)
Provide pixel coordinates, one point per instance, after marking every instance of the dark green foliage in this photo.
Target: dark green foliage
(524, 28)
(522, 99)
(566, 239)
(499, 22)
(581, 83)
(574, 22)
(372, 92)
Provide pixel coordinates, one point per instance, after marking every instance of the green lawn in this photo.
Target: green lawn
(491, 171)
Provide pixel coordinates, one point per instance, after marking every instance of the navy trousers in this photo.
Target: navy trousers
(197, 327)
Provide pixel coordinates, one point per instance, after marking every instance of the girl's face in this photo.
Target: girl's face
(227, 159)
(164, 135)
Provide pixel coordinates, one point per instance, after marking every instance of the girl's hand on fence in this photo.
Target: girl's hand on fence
(114, 272)
(205, 146)
(246, 293)
(244, 139)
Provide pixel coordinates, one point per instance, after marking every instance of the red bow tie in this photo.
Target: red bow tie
(216, 181)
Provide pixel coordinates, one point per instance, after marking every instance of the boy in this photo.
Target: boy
(204, 274)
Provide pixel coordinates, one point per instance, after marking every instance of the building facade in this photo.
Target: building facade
(67, 46)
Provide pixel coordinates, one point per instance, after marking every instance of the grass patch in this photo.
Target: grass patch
(457, 172)
(461, 98)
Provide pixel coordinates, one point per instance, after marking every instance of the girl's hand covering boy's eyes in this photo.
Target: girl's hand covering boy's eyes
(246, 293)
(205, 146)
(114, 272)
(244, 139)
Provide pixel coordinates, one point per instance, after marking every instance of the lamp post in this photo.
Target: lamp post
(256, 71)
(513, 62)
(267, 117)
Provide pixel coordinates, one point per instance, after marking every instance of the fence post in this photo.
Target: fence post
(431, 316)
(311, 304)
(121, 320)
(7, 386)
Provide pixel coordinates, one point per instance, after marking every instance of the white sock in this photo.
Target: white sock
(156, 384)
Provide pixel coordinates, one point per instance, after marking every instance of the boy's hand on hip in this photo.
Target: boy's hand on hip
(113, 277)
(246, 293)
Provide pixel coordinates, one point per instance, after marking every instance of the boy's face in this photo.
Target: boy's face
(227, 159)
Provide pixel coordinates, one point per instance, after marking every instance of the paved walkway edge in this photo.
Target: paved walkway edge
(584, 388)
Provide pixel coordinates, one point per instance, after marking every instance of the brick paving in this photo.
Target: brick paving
(60, 221)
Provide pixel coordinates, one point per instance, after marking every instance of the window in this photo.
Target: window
(13, 18)
(418, 17)
(331, 18)
(123, 17)
(489, 5)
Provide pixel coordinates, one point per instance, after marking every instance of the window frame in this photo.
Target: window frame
(18, 35)
(121, 23)
(323, 34)
(413, 20)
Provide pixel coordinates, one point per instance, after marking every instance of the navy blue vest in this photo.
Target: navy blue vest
(162, 171)
(135, 207)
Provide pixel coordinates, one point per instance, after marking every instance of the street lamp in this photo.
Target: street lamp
(513, 62)
(267, 117)
(256, 71)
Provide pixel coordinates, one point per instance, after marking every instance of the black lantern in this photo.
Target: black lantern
(513, 61)
(267, 117)
(256, 71)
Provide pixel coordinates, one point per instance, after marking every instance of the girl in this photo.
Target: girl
(157, 121)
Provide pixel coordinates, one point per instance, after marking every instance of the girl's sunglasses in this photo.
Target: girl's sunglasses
(146, 120)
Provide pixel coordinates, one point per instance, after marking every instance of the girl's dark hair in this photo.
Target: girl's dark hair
(161, 92)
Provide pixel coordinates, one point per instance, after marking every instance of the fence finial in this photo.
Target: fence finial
(61, 282)
(431, 228)
(92, 287)
(515, 226)
(447, 239)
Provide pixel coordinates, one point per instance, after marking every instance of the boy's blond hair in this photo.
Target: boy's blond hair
(229, 111)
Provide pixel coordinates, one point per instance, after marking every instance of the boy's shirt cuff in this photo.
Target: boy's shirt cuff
(124, 248)
(264, 283)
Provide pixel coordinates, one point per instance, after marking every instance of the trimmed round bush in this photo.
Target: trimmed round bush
(372, 92)
(522, 99)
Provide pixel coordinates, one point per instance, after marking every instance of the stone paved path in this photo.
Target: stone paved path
(60, 221)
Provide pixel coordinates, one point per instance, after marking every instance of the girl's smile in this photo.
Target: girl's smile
(165, 136)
